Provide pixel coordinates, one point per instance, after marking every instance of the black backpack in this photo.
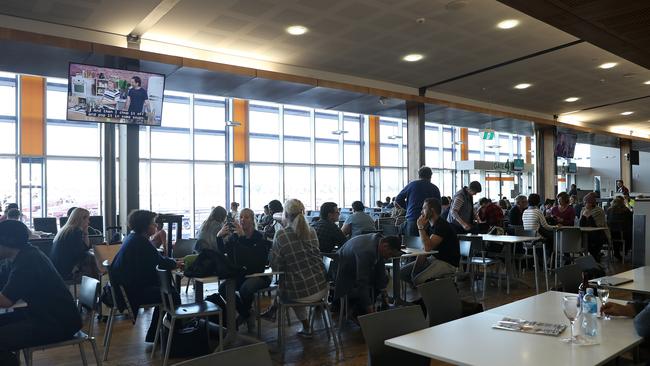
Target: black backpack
(214, 263)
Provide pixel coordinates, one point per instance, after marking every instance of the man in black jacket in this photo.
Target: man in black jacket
(50, 316)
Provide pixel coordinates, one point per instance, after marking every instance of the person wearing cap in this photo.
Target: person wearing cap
(461, 214)
(51, 314)
(413, 195)
(362, 269)
(436, 234)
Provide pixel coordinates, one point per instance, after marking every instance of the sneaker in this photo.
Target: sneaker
(305, 333)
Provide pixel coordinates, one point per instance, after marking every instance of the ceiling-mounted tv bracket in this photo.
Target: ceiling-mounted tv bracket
(133, 41)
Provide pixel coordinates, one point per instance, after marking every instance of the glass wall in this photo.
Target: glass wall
(186, 163)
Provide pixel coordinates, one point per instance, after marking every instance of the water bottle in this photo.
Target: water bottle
(589, 311)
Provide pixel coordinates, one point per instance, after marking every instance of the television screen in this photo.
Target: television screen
(572, 168)
(101, 94)
(518, 165)
(565, 145)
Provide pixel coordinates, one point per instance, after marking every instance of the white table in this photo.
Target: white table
(510, 240)
(472, 341)
(640, 283)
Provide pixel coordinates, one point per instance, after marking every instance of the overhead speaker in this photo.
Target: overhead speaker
(634, 157)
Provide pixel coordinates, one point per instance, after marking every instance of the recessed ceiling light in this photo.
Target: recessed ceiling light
(508, 24)
(647, 82)
(608, 65)
(523, 86)
(413, 57)
(626, 113)
(572, 99)
(297, 30)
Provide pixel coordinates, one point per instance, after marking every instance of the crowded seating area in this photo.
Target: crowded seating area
(294, 183)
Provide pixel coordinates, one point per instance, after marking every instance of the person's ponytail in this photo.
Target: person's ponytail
(294, 212)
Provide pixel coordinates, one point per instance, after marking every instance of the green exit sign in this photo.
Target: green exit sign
(488, 135)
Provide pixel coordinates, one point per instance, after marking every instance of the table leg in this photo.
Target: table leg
(535, 268)
(545, 269)
(198, 291)
(396, 282)
(231, 312)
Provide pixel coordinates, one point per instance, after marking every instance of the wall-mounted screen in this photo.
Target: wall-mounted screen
(102, 94)
(565, 145)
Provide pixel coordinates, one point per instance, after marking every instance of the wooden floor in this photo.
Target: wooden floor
(128, 347)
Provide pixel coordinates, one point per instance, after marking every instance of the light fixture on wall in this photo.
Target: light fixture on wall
(339, 132)
(394, 137)
(232, 124)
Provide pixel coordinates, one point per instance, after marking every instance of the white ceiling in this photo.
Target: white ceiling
(367, 38)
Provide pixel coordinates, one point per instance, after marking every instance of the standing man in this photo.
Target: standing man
(412, 197)
(137, 97)
(621, 188)
(327, 229)
(461, 214)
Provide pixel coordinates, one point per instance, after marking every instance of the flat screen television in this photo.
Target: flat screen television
(518, 165)
(572, 168)
(102, 94)
(565, 145)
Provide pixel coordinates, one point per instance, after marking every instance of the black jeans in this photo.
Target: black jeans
(18, 331)
(411, 228)
(247, 288)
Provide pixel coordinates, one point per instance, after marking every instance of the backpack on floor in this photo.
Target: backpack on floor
(190, 339)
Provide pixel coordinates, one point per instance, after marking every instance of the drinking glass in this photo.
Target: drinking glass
(603, 295)
(571, 311)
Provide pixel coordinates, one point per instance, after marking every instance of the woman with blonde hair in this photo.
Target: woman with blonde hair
(295, 253)
(71, 248)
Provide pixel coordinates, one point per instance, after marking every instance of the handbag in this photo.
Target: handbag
(214, 263)
(190, 340)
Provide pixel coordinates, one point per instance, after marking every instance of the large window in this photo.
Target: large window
(7, 138)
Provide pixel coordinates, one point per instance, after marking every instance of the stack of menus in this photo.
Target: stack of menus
(528, 326)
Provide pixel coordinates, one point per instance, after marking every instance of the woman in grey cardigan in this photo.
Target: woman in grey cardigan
(210, 228)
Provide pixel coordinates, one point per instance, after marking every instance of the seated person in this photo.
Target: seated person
(327, 228)
(436, 234)
(620, 219)
(134, 267)
(533, 219)
(210, 228)
(14, 214)
(71, 250)
(246, 247)
(639, 310)
(593, 215)
(563, 213)
(273, 225)
(7, 208)
(358, 222)
(445, 204)
(516, 212)
(159, 238)
(51, 316)
(490, 213)
(266, 218)
(362, 271)
(295, 253)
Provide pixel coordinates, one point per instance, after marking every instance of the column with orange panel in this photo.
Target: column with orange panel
(240, 153)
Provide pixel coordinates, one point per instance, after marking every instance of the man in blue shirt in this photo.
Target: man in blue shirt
(412, 197)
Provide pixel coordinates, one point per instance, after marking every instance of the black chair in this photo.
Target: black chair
(45, 245)
(255, 354)
(442, 301)
(176, 312)
(88, 299)
(97, 223)
(63, 220)
(383, 325)
(45, 224)
(570, 277)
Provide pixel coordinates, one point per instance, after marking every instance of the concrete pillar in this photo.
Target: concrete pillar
(415, 128)
(545, 162)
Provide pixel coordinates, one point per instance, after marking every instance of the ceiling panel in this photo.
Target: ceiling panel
(569, 72)
(463, 118)
(321, 98)
(201, 81)
(269, 90)
(27, 58)
(114, 16)
(361, 37)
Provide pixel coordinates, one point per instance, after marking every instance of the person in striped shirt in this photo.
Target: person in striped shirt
(534, 219)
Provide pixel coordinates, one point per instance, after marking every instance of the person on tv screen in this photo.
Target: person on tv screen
(137, 98)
